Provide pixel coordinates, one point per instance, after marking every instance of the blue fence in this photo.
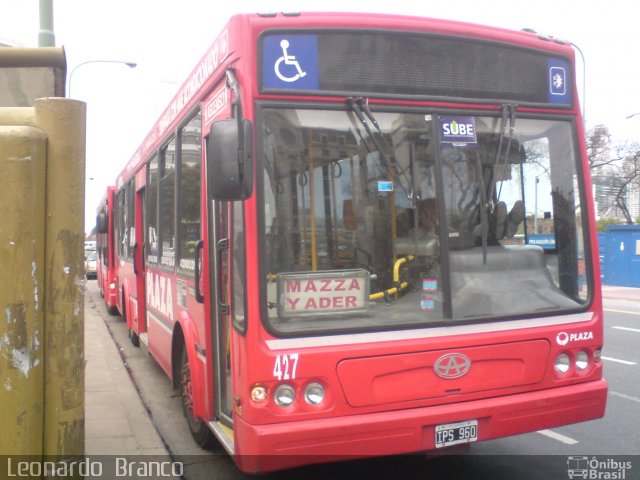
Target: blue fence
(620, 255)
(619, 251)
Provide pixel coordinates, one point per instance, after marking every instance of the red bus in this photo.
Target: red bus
(106, 261)
(325, 242)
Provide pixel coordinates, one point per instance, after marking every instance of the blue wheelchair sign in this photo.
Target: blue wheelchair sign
(290, 62)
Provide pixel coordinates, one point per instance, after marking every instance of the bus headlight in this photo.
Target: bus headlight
(582, 360)
(563, 362)
(284, 395)
(314, 393)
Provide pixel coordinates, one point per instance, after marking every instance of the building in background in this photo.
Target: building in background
(606, 184)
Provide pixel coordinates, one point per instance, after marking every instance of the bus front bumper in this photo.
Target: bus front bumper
(261, 448)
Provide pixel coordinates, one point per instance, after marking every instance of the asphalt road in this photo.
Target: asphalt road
(548, 455)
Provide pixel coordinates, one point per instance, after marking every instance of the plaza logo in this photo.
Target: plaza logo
(564, 338)
(597, 469)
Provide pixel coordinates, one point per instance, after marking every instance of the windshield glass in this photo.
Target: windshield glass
(417, 219)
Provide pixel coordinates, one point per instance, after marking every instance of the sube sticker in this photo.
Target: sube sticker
(458, 130)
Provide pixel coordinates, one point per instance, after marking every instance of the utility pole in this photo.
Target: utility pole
(46, 37)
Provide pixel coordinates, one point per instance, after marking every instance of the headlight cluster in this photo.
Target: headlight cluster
(580, 361)
(285, 395)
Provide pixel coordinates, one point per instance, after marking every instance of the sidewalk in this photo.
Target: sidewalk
(611, 292)
(116, 422)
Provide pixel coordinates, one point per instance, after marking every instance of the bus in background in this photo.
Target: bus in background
(106, 259)
(324, 239)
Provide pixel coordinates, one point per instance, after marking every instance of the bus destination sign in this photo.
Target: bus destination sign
(303, 294)
(343, 63)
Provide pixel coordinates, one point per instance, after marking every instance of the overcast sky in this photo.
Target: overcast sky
(167, 37)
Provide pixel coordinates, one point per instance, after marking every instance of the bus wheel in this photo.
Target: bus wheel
(199, 430)
(124, 308)
(134, 337)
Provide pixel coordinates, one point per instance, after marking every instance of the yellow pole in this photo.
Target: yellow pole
(64, 122)
(22, 203)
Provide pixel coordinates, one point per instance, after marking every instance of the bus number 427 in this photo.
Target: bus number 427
(286, 366)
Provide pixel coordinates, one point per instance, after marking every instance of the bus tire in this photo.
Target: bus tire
(123, 315)
(199, 430)
(112, 311)
(134, 337)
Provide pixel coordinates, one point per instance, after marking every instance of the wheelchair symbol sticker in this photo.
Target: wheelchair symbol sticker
(287, 60)
(290, 62)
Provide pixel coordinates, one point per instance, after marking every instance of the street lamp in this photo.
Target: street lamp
(128, 64)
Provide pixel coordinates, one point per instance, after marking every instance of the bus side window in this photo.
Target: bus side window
(166, 206)
(189, 184)
(238, 270)
(151, 214)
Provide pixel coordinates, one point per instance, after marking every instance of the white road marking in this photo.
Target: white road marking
(616, 360)
(625, 396)
(620, 311)
(627, 329)
(558, 436)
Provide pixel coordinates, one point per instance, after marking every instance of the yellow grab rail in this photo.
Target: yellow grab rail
(396, 280)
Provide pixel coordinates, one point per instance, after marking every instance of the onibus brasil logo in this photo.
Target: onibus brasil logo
(598, 469)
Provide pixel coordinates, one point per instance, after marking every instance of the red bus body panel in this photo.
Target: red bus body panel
(273, 447)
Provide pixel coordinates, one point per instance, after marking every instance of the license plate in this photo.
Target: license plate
(456, 433)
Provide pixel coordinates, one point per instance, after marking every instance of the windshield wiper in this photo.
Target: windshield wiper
(508, 115)
(360, 107)
(508, 112)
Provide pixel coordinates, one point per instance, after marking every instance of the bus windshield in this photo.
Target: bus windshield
(393, 220)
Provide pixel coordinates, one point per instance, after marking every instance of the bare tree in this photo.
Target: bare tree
(613, 166)
(630, 174)
(599, 147)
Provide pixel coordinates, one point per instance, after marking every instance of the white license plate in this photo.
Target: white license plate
(456, 433)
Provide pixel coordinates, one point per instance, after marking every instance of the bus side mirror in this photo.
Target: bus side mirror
(230, 159)
(101, 223)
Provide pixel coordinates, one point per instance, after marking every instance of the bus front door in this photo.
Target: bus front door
(222, 316)
(140, 322)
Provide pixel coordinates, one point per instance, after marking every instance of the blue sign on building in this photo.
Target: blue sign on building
(545, 240)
